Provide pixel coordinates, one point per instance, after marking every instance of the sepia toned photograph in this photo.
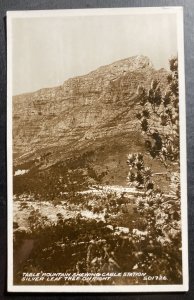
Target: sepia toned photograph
(96, 147)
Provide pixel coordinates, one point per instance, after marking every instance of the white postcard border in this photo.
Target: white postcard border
(183, 160)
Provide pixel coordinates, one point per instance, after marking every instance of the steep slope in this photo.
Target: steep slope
(84, 113)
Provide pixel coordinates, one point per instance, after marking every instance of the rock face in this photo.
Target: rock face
(83, 112)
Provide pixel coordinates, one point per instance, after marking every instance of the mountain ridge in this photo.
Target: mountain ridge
(144, 61)
(82, 112)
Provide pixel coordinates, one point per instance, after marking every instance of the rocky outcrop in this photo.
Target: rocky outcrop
(83, 110)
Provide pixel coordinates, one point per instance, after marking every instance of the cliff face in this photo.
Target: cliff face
(85, 111)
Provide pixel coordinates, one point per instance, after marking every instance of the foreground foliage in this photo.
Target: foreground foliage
(160, 214)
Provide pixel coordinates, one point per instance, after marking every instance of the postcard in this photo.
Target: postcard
(96, 151)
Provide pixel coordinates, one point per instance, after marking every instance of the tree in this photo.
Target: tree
(158, 116)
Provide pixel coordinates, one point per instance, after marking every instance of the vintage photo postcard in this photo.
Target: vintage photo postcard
(96, 149)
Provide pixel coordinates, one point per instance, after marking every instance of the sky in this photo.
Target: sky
(47, 51)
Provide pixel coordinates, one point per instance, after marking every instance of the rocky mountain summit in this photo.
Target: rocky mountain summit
(84, 113)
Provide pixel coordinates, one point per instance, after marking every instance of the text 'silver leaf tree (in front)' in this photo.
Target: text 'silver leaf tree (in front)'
(158, 116)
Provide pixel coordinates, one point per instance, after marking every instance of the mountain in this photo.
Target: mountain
(94, 112)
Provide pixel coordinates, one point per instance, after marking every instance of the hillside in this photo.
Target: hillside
(83, 113)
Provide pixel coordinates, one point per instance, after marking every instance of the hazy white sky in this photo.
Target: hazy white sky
(47, 51)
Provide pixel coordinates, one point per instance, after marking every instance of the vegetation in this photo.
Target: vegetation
(159, 117)
(160, 213)
(72, 175)
(105, 231)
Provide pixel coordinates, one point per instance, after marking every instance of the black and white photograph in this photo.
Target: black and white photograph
(96, 150)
